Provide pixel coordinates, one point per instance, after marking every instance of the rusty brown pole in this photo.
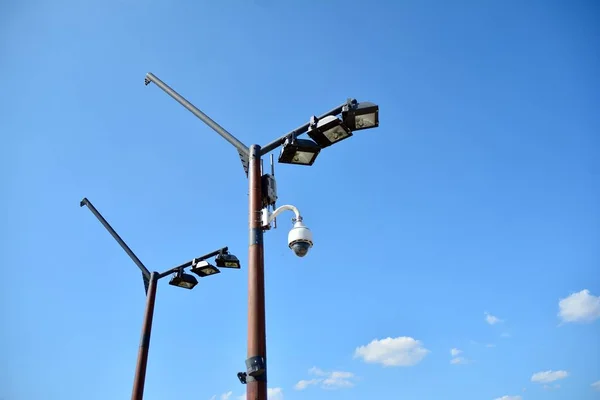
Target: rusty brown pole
(142, 361)
(256, 387)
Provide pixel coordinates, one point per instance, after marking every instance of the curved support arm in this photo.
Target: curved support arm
(283, 208)
(268, 217)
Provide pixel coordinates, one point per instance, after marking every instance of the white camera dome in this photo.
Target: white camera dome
(300, 239)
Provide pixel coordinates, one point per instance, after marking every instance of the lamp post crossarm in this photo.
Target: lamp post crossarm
(301, 129)
(192, 261)
(241, 147)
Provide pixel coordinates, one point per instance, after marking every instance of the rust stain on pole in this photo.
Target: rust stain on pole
(256, 389)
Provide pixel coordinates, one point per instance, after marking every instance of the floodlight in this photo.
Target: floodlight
(328, 130)
(203, 268)
(299, 151)
(227, 261)
(359, 116)
(183, 280)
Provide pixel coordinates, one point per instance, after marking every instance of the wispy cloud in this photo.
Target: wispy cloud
(596, 385)
(491, 319)
(509, 398)
(552, 387)
(579, 307)
(402, 351)
(548, 376)
(275, 393)
(304, 383)
(456, 360)
(226, 396)
(327, 379)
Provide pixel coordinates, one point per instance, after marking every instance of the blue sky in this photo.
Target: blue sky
(469, 220)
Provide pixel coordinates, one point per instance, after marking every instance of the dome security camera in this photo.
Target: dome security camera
(300, 239)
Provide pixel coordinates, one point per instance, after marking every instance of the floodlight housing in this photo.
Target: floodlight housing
(328, 130)
(226, 260)
(203, 269)
(360, 116)
(183, 280)
(299, 151)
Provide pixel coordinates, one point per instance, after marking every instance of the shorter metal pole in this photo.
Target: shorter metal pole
(142, 361)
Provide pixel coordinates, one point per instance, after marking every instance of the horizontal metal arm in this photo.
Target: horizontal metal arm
(115, 235)
(299, 131)
(241, 147)
(189, 263)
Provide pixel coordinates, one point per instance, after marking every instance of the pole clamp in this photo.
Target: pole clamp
(256, 370)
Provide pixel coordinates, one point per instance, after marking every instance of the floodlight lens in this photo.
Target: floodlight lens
(184, 281)
(303, 157)
(299, 152)
(203, 269)
(363, 115)
(227, 261)
(208, 271)
(186, 285)
(336, 133)
(365, 121)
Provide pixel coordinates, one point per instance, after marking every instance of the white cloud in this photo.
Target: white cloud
(490, 345)
(303, 384)
(548, 376)
(458, 360)
(455, 359)
(226, 396)
(327, 380)
(579, 307)
(214, 397)
(509, 398)
(317, 371)
(596, 385)
(491, 319)
(401, 351)
(275, 394)
(548, 387)
(338, 379)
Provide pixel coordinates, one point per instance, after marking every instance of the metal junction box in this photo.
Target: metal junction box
(269, 190)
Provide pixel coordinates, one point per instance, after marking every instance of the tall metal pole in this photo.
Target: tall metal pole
(256, 363)
(256, 387)
(142, 361)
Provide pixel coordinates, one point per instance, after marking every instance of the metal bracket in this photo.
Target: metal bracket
(244, 160)
(242, 377)
(256, 369)
(256, 236)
